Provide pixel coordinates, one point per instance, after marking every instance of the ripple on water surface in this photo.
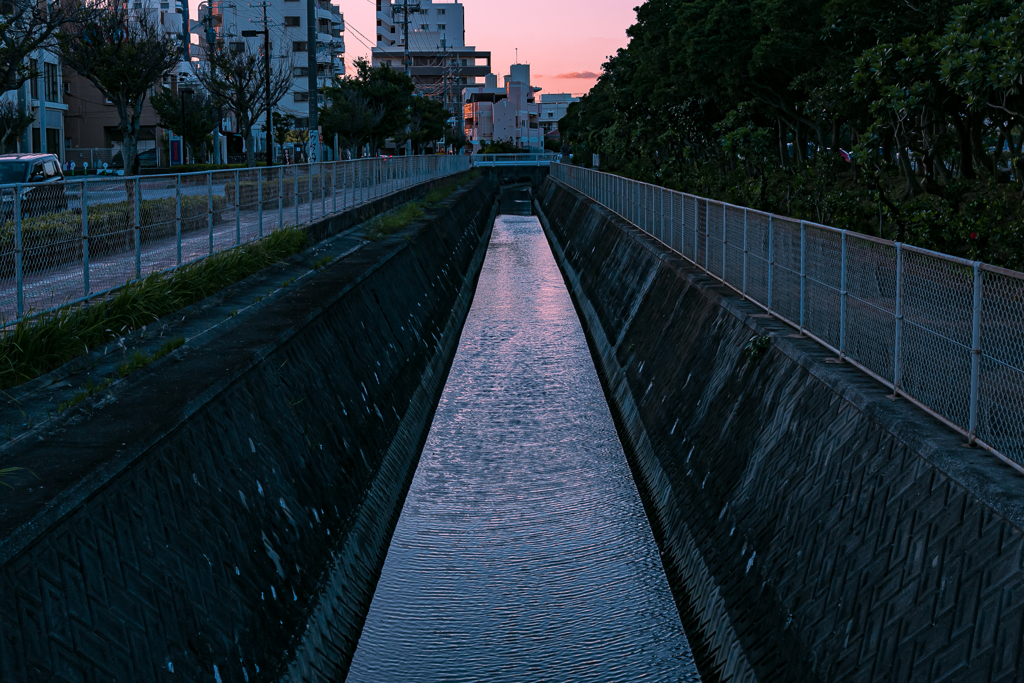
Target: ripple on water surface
(522, 552)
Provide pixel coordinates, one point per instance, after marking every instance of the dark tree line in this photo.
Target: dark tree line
(899, 117)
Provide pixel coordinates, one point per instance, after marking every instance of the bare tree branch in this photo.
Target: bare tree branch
(236, 81)
(27, 26)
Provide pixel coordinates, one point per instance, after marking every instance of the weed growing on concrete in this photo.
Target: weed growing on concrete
(6, 472)
(38, 345)
(756, 347)
(138, 359)
(321, 263)
(88, 391)
(390, 223)
(288, 283)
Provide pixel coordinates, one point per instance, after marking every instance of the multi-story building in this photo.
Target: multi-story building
(288, 41)
(442, 64)
(510, 113)
(552, 109)
(47, 89)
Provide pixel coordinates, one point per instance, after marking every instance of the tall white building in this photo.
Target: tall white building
(552, 109)
(442, 64)
(288, 41)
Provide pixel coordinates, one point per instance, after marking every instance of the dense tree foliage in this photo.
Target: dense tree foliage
(378, 104)
(902, 118)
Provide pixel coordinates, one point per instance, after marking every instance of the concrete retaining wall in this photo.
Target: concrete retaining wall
(812, 528)
(237, 518)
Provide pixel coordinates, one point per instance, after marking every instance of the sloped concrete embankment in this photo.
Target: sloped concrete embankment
(244, 493)
(812, 528)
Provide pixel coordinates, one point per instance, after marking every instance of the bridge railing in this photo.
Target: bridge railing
(67, 242)
(497, 160)
(944, 332)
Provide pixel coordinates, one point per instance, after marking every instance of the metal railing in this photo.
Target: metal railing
(67, 242)
(497, 160)
(941, 331)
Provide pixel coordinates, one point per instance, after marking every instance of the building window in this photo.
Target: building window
(291, 22)
(302, 71)
(237, 47)
(299, 46)
(301, 97)
(440, 27)
(440, 11)
(424, 27)
(52, 86)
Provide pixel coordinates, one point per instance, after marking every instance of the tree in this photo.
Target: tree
(390, 91)
(428, 120)
(190, 114)
(236, 81)
(124, 54)
(349, 115)
(27, 26)
(12, 121)
(284, 124)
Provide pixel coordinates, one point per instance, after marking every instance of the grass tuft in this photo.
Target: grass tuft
(88, 391)
(38, 345)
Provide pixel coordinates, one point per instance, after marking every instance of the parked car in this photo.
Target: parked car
(43, 184)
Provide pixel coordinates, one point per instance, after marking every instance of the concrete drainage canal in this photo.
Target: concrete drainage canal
(522, 552)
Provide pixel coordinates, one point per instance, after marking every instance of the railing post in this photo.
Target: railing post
(280, 197)
(19, 266)
(842, 298)
(238, 209)
(707, 233)
(323, 191)
(803, 274)
(209, 206)
(138, 227)
(296, 189)
(661, 222)
(334, 186)
(696, 229)
(177, 214)
(85, 237)
(771, 258)
(972, 428)
(746, 251)
(259, 199)
(897, 351)
(725, 241)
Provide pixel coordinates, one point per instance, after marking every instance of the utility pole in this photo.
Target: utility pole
(406, 9)
(266, 79)
(314, 93)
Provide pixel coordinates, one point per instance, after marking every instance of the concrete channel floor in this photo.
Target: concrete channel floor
(523, 552)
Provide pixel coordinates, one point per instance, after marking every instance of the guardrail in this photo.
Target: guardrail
(68, 242)
(497, 160)
(941, 331)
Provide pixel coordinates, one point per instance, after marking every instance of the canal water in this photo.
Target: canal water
(522, 552)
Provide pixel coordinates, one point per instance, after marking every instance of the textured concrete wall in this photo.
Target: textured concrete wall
(238, 523)
(812, 528)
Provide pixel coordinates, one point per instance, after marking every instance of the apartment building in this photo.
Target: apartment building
(510, 113)
(227, 20)
(442, 63)
(42, 98)
(552, 109)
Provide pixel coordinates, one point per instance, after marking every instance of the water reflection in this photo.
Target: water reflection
(522, 552)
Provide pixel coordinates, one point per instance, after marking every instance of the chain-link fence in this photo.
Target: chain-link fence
(67, 242)
(942, 331)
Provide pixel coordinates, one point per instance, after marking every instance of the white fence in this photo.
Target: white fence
(66, 242)
(944, 332)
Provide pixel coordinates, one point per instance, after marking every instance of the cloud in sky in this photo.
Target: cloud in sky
(578, 74)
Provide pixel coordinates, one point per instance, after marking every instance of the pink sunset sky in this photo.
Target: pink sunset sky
(564, 41)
